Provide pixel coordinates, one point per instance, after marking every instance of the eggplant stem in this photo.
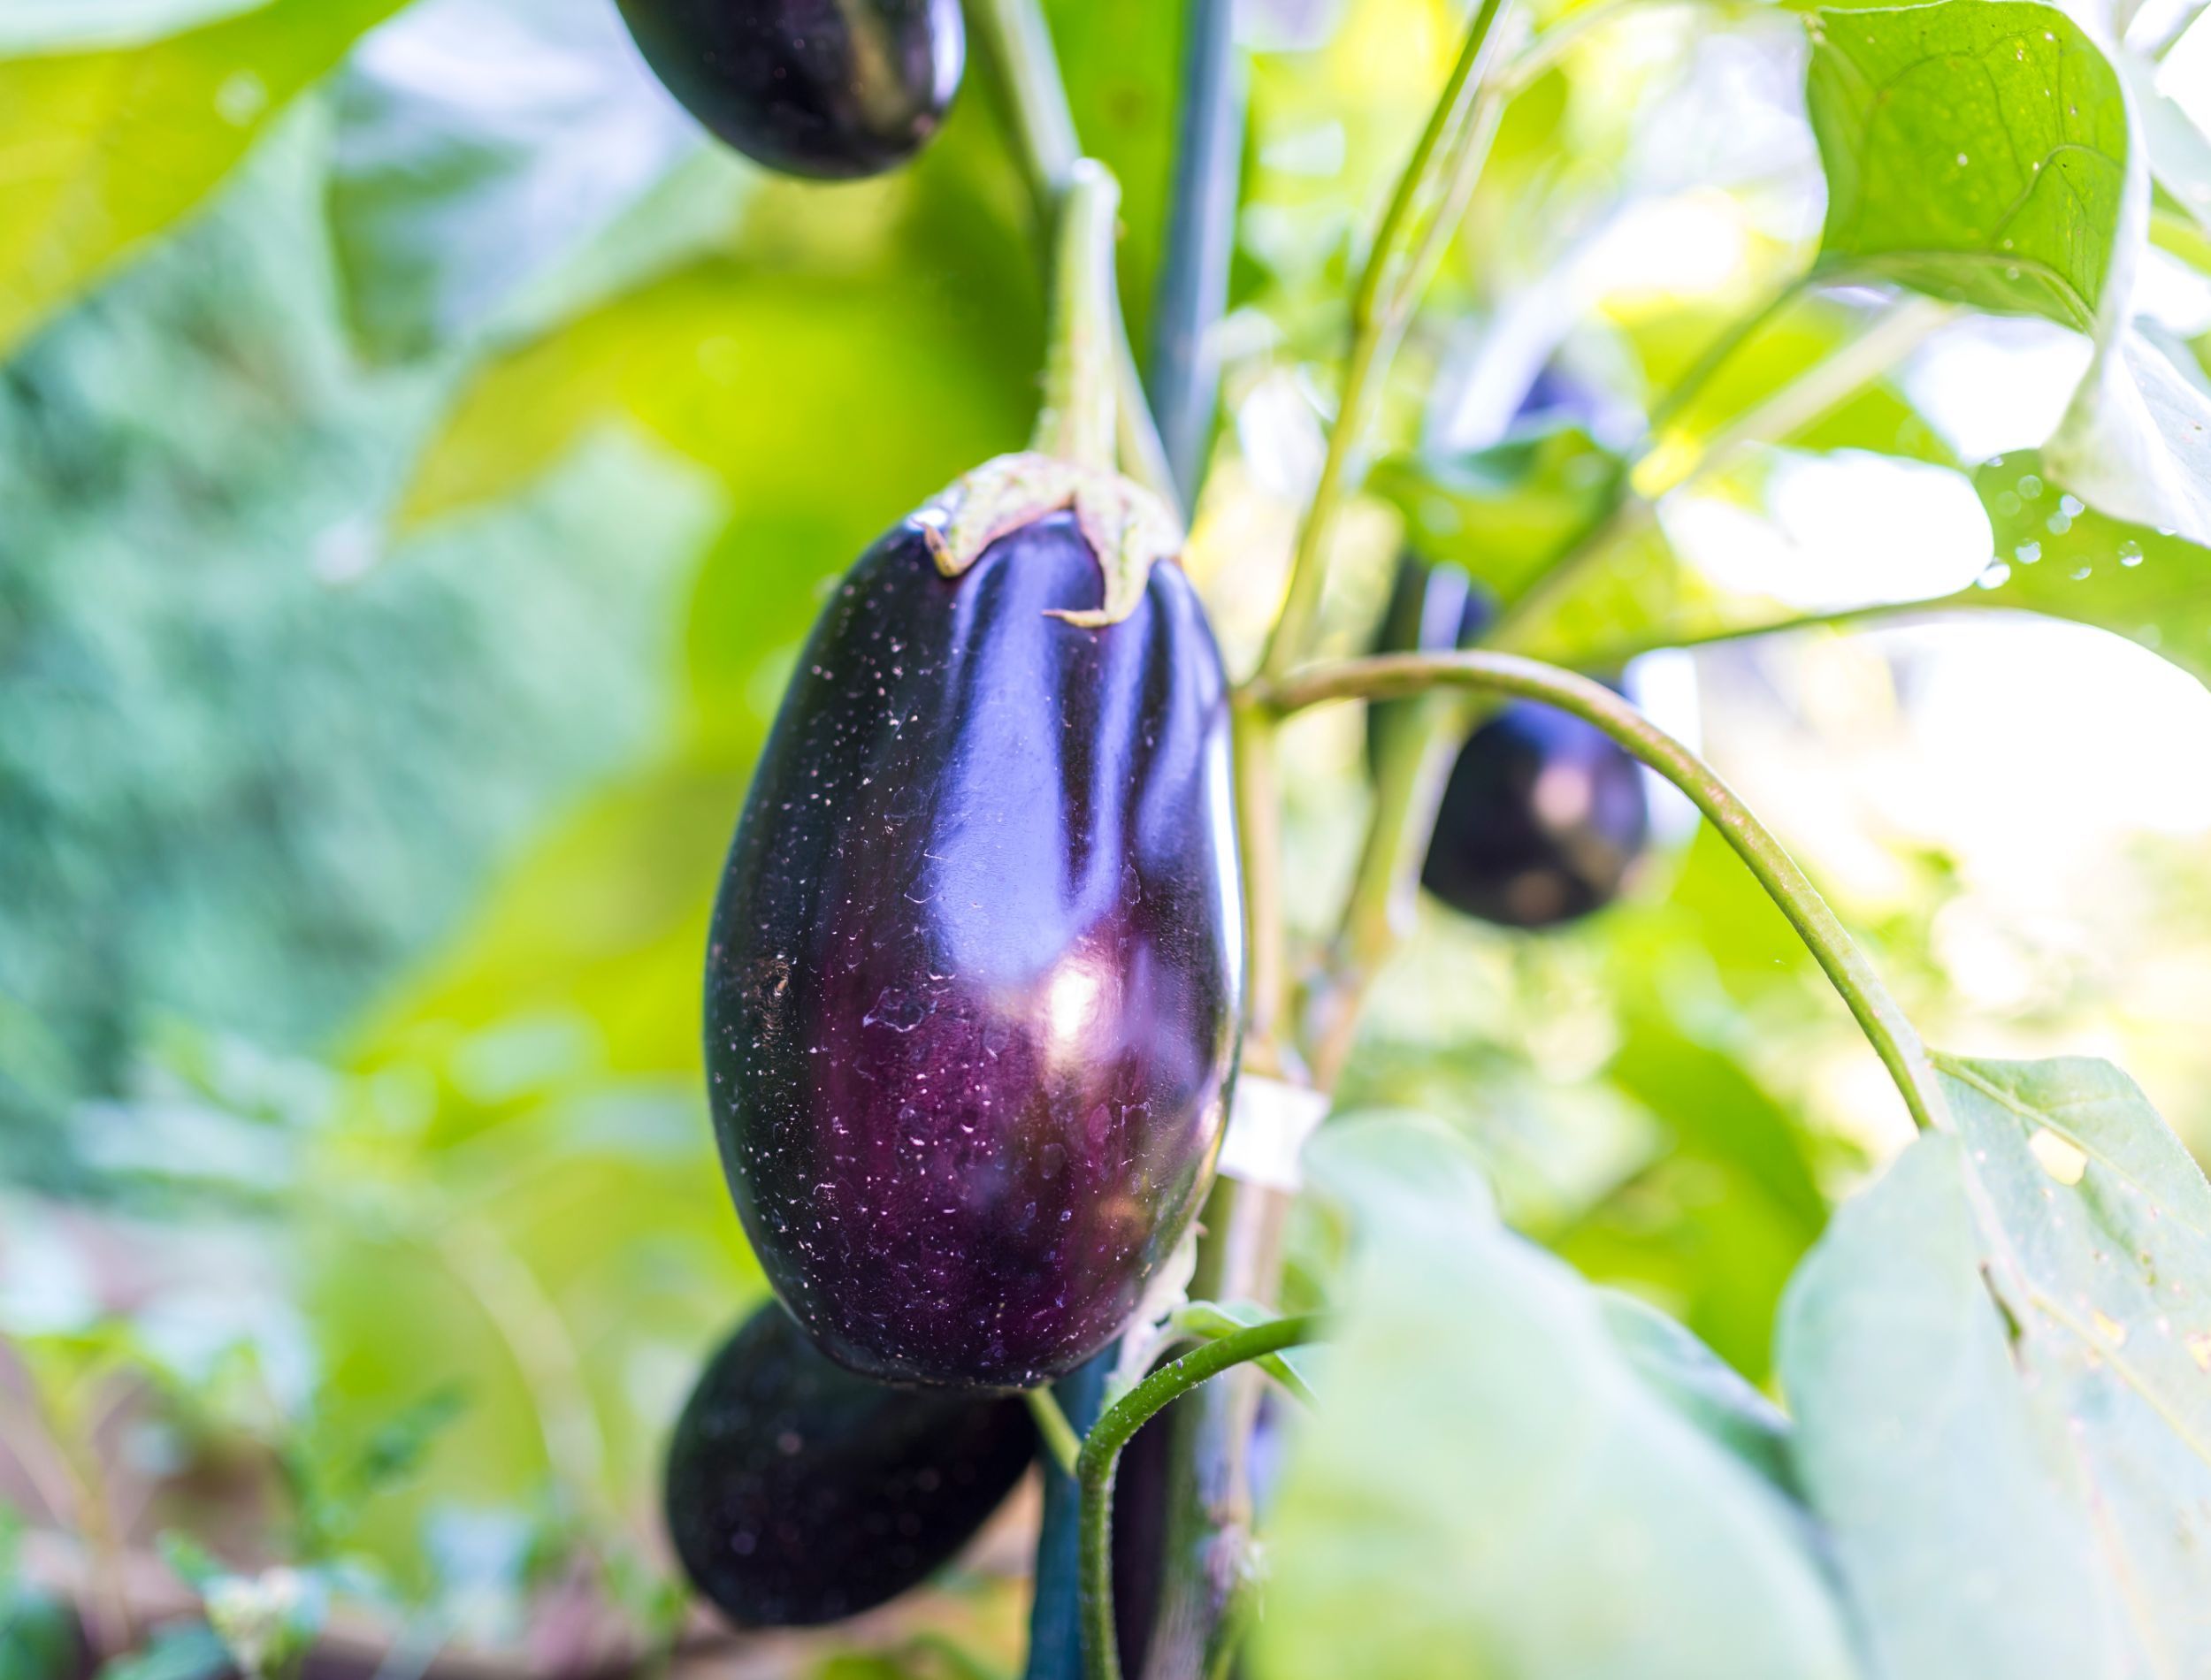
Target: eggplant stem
(1392, 676)
(1101, 1457)
(1076, 424)
(1060, 1438)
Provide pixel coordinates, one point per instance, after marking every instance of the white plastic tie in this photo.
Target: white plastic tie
(1268, 1129)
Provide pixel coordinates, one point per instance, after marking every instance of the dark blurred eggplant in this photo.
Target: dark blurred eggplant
(1544, 814)
(798, 1493)
(1143, 1502)
(828, 88)
(975, 971)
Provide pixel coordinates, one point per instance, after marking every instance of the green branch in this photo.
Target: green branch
(1013, 35)
(1438, 178)
(1389, 676)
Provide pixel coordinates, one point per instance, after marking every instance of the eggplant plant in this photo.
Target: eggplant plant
(1218, 1066)
(2004, 1199)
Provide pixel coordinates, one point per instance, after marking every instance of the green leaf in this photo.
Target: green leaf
(2180, 152)
(2101, 1253)
(1976, 150)
(1293, 1368)
(2054, 555)
(1956, 1517)
(1713, 1228)
(1508, 512)
(2136, 441)
(1489, 1488)
(1703, 1387)
(38, 1635)
(188, 1652)
(445, 203)
(2028, 1475)
(101, 150)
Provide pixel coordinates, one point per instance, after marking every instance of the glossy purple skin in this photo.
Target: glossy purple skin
(833, 90)
(973, 985)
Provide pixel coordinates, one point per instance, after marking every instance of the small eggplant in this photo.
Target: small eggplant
(834, 89)
(1544, 814)
(798, 1493)
(975, 971)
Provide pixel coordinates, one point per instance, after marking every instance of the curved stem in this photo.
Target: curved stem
(1892, 1035)
(1441, 169)
(1076, 423)
(1101, 1456)
(1013, 35)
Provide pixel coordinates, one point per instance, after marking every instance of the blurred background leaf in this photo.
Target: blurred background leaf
(103, 147)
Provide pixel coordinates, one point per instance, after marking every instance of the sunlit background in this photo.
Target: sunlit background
(402, 555)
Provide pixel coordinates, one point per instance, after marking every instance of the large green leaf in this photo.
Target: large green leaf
(785, 382)
(2020, 1484)
(1976, 149)
(1737, 1182)
(101, 150)
(1490, 1488)
(1701, 1385)
(448, 196)
(1956, 1518)
(2100, 1252)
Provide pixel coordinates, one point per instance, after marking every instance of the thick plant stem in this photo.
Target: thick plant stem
(1013, 35)
(1387, 676)
(1076, 423)
(1440, 173)
(1193, 286)
(1101, 1456)
(1409, 777)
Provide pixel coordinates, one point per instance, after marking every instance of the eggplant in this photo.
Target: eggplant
(1544, 814)
(832, 89)
(798, 1493)
(1143, 1500)
(977, 966)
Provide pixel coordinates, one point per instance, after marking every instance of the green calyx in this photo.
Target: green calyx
(1128, 528)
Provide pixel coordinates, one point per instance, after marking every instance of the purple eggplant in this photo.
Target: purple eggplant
(975, 972)
(1544, 814)
(798, 1493)
(828, 88)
